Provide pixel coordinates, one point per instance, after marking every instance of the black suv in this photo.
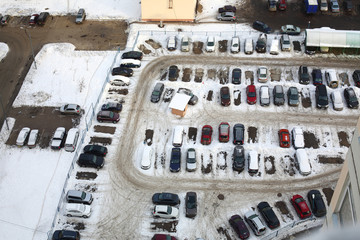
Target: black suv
(90, 160)
(239, 158)
(156, 94)
(166, 199)
(238, 131)
(304, 77)
(173, 73)
(262, 27)
(132, 55)
(261, 43)
(123, 71)
(268, 214)
(236, 76)
(351, 98)
(321, 96)
(356, 77)
(317, 76)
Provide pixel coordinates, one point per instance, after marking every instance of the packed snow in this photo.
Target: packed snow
(4, 49)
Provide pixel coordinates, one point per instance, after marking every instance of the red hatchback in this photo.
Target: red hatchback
(284, 138)
(300, 206)
(282, 5)
(206, 134)
(33, 19)
(251, 94)
(224, 132)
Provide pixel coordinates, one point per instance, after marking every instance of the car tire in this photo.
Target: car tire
(69, 215)
(173, 218)
(85, 216)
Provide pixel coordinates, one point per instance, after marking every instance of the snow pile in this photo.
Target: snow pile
(4, 49)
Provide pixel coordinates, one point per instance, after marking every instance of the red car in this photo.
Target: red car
(163, 237)
(282, 5)
(300, 206)
(284, 138)
(108, 116)
(33, 19)
(224, 132)
(251, 94)
(206, 134)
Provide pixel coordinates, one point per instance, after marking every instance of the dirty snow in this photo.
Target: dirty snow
(4, 49)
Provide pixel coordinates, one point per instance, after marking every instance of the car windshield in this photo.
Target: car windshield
(191, 202)
(323, 98)
(111, 114)
(280, 95)
(235, 45)
(156, 93)
(210, 44)
(299, 200)
(206, 131)
(236, 74)
(83, 195)
(226, 96)
(169, 210)
(185, 43)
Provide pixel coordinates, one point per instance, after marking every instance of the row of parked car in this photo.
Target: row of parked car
(131, 59)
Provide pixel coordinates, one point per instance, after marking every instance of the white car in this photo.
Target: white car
(264, 96)
(57, 140)
(337, 101)
(235, 45)
(23, 134)
(165, 211)
(249, 46)
(191, 160)
(146, 158)
(210, 44)
(262, 74)
(298, 137)
(303, 162)
(185, 44)
(33, 138)
(120, 81)
(171, 46)
(77, 210)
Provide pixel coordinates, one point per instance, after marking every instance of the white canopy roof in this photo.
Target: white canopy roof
(327, 37)
(179, 101)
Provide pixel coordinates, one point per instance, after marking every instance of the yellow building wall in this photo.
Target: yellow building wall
(158, 10)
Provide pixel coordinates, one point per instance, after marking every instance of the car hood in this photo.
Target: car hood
(191, 166)
(56, 142)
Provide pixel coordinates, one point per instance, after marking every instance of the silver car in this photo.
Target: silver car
(264, 96)
(285, 42)
(226, 16)
(75, 196)
(80, 16)
(191, 160)
(70, 109)
(293, 96)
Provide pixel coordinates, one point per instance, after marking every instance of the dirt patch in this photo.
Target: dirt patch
(289, 75)
(144, 49)
(192, 134)
(252, 133)
(330, 160)
(209, 96)
(153, 44)
(237, 97)
(78, 225)
(305, 100)
(199, 73)
(344, 79)
(164, 226)
(250, 76)
(310, 140)
(104, 129)
(186, 74)
(221, 196)
(288, 164)
(199, 7)
(123, 91)
(284, 209)
(275, 74)
(86, 175)
(206, 169)
(221, 164)
(269, 164)
(211, 73)
(169, 92)
(297, 46)
(328, 194)
(149, 133)
(223, 75)
(343, 139)
(100, 140)
(163, 74)
(223, 45)
(224, 231)
(197, 47)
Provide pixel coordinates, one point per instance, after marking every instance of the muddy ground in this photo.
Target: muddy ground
(330, 160)
(197, 47)
(328, 192)
(100, 140)
(281, 205)
(209, 95)
(223, 45)
(252, 133)
(237, 97)
(104, 129)
(199, 74)
(192, 134)
(149, 133)
(269, 164)
(310, 140)
(186, 74)
(343, 139)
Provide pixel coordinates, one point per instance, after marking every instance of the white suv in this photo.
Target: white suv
(210, 44)
(298, 137)
(165, 211)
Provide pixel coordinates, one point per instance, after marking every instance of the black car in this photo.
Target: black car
(111, 106)
(268, 214)
(356, 77)
(123, 71)
(96, 150)
(191, 204)
(130, 64)
(157, 92)
(238, 159)
(238, 131)
(173, 73)
(236, 76)
(317, 76)
(261, 43)
(279, 96)
(66, 235)
(317, 204)
(348, 5)
(351, 98)
(238, 224)
(262, 27)
(321, 96)
(227, 8)
(165, 198)
(304, 77)
(293, 96)
(42, 18)
(175, 160)
(132, 55)
(90, 160)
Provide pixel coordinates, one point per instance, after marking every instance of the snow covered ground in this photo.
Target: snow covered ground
(4, 49)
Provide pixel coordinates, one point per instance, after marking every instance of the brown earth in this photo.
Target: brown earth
(237, 100)
(270, 159)
(168, 94)
(192, 134)
(252, 133)
(86, 175)
(343, 139)
(223, 45)
(123, 91)
(275, 74)
(344, 79)
(281, 205)
(211, 73)
(209, 96)
(104, 129)
(289, 169)
(223, 75)
(144, 49)
(328, 194)
(186, 74)
(310, 140)
(100, 140)
(225, 232)
(149, 136)
(330, 160)
(206, 169)
(153, 44)
(163, 74)
(199, 73)
(164, 226)
(249, 75)
(197, 47)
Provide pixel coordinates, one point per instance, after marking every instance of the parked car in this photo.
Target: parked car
(255, 223)
(173, 73)
(120, 81)
(251, 94)
(108, 116)
(190, 204)
(66, 235)
(191, 160)
(130, 63)
(132, 55)
(238, 158)
(249, 46)
(33, 138)
(304, 77)
(75, 196)
(193, 100)
(323, 6)
(317, 76)
(206, 134)
(166, 198)
(268, 215)
(350, 98)
(157, 92)
(317, 204)
(264, 94)
(348, 5)
(42, 18)
(282, 5)
(321, 97)
(77, 210)
(331, 78)
(160, 236)
(285, 42)
(284, 138)
(298, 137)
(175, 160)
(262, 27)
(279, 96)
(70, 109)
(123, 71)
(224, 132)
(272, 5)
(23, 136)
(226, 16)
(96, 150)
(300, 206)
(185, 44)
(112, 106)
(227, 8)
(235, 45)
(274, 47)
(58, 138)
(238, 131)
(336, 100)
(80, 16)
(164, 211)
(90, 160)
(261, 43)
(290, 30)
(225, 96)
(236, 76)
(171, 45)
(303, 162)
(146, 157)
(33, 19)
(253, 162)
(262, 73)
(210, 44)
(5, 19)
(238, 224)
(356, 77)
(334, 5)
(293, 96)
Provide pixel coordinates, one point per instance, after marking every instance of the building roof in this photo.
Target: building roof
(327, 37)
(179, 101)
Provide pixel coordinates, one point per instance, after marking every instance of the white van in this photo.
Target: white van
(235, 45)
(146, 158)
(178, 136)
(249, 46)
(120, 81)
(71, 139)
(253, 161)
(274, 48)
(303, 161)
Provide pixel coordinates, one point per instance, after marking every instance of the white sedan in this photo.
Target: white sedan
(77, 210)
(165, 211)
(337, 101)
(23, 134)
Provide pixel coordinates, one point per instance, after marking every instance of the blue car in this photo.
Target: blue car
(175, 161)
